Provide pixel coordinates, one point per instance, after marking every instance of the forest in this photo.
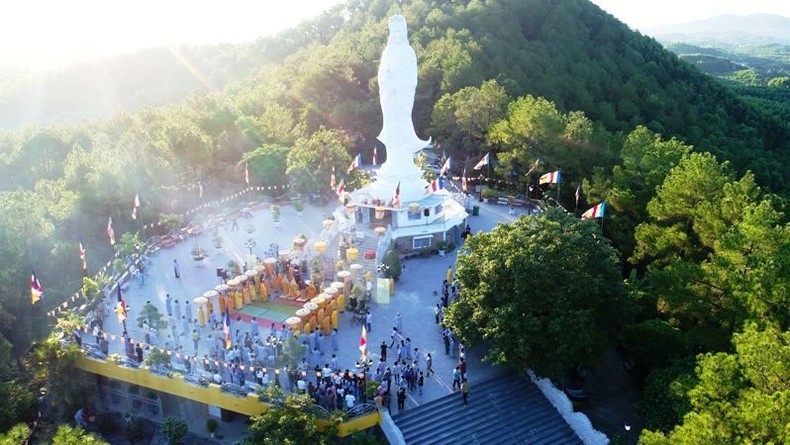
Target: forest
(695, 178)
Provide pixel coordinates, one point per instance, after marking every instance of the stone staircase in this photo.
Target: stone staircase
(503, 410)
(370, 242)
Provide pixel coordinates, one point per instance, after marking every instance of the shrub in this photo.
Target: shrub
(173, 430)
(392, 266)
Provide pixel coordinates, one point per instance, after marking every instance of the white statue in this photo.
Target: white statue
(397, 85)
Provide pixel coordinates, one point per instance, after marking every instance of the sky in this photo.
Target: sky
(45, 34)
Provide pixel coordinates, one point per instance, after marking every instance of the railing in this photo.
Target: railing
(359, 418)
(385, 242)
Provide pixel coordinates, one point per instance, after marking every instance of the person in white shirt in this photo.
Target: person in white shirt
(350, 400)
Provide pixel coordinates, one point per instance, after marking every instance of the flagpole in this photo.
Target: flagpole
(558, 185)
(142, 226)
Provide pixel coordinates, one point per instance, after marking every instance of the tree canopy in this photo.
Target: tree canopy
(540, 291)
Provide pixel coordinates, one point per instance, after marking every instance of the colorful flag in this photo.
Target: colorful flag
(135, 206)
(121, 309)
(355, 163)
(464, 185)
(596, 211)
(483, 162)
(446, 166)
(111, 232)
(363, 342)
(550, 178)
(374, 155)
(578, 194)
(436, 184)
(83, 257)
(36, 291)
(246, 174)
(226, 329)
(332, 183)
(396, 196)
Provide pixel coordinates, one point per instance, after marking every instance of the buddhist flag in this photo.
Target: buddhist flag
(374, 155)
(550, 178)
(135, 206)
(446, 166)
(83, 257)
(363, 342)
(121, 308)
(464, 185)
(435, 185)
(596, 211)
(332, 183)
(110, 232)
(36, 291)
(355, 163)
(246, 174)
(396, 196)
(483, 162)
(226, 328)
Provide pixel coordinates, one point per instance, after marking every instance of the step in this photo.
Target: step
(450, 408)
(445, 412)
(471, 432)
(432, 406)
(458, 417)
(482, 386)
(497, 412)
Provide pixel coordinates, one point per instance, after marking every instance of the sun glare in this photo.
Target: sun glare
(42, 34)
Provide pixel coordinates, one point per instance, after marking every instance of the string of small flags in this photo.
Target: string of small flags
(72, 301)
(223, 200)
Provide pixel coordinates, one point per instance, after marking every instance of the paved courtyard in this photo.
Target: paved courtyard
(413, 296)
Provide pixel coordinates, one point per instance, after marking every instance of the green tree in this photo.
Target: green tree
(290, 422)
(67, 435)
(16, 435)
(717, 251)
(665, 398)
(742, 397)
(542, 292)
(311, 160)
(268, 164)
(463, 118)
(55, 362)
(174, 429)
(645, 160)
(17, 403)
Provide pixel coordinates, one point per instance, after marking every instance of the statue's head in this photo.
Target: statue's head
(398, 32)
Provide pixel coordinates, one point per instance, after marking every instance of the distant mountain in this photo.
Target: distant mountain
(729, 29)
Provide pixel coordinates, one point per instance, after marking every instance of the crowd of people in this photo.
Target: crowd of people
(399, 368)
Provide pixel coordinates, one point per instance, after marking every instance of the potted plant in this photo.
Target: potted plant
(198, 253)
(298, 205)
(217, 240)
(276, 214)
(173, 430)
(352, 253)
(442, 246)
(211, 427)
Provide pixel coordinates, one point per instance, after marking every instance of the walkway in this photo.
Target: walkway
(413, 296)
